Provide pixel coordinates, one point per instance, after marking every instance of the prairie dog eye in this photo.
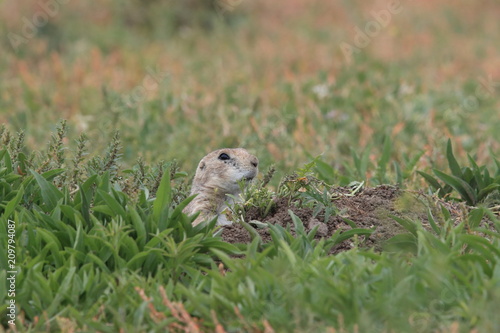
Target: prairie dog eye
(224, 157)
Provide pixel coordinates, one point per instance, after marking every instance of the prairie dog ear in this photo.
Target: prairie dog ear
(202, 165)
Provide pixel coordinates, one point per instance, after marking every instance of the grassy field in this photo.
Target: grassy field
(107, 111)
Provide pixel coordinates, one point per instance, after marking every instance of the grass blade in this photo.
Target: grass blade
(410, 226)
(163, 196)
(452, 162)
(112, 203)
(11, 206)
(432, 182)
(50, 194)
(466, 192)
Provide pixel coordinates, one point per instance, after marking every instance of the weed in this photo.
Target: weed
(473, 183)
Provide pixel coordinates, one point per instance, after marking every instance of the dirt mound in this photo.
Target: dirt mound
(368, 209)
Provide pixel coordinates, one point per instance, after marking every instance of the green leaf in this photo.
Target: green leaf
(104, 209)
(206, 225)
(178, 210)
(361, 163)
(51, 174)
(399, 173)
(452, 162)
(7, 160)
(481, 245)
(412, 163)
(326, 171)
(137, 261)
(2, 153)
(96, 260)
(299, 226)
(476, 259)
(85, 206)
(292, 258)
(78, 244)
(215, 243)
(472, 162)
(410, 226)
(349, 222)
(432, 182)
(112, 203)
(128, 247)
(481, 181)
(12, 205)
(446, 213)
(180, 174)
(402, 242)
(163, 196)
(487, 190)
(466, 192)
(50, 193)
(226, 259)
(475, 217)
(139, 226)
(350, 233)
(52, 243)
(432, 222)
(431, 243)
(62, 291)
(497, 163)
(251, 230)
(68, 213)
(103, 182)
(158, 238)
(468, 176)
(22, 162)
(384, 159)
(11, 178)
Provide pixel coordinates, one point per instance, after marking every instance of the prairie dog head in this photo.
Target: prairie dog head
(222, 170)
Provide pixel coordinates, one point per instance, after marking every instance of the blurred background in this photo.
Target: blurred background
(287, 80)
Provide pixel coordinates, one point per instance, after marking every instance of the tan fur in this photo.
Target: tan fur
(216, 178)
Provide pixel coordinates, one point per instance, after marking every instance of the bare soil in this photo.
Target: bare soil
(369, 208)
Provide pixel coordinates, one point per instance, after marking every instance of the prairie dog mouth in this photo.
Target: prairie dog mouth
(249, 176)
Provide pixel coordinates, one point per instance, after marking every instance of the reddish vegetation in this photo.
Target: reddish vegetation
(266, 62)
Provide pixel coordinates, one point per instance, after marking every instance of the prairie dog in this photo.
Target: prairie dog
(219, 174)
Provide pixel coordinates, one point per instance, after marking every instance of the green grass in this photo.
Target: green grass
(109, 252)
(148, 88)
